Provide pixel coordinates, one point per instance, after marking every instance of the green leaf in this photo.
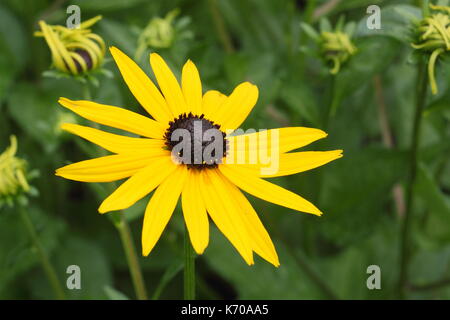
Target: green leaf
(396, 22)
(17, 252)
(168, 275)
(262, 279)
(372, 58)
(95, 268)
(114, 294)
(37, 113)
(110, 5)
(356, 191)
(436, 202)
(310, 31)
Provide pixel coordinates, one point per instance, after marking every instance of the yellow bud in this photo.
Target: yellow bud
(74, 51)
(12, 172)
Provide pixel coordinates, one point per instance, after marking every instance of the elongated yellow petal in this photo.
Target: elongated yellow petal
(104, 169)
(115, 117)
(139, 185)
(221, 210)
(291, 163)
(262, 244)
(194, 212)
(142, 87)
(160, 208)
(169, 85)
(212, 101)
(237, 106)
(267, 191)
(117, 143)
(268, 142)
(58, 58)
(192, 88)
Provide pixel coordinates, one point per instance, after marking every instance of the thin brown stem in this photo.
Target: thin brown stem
(388, 141)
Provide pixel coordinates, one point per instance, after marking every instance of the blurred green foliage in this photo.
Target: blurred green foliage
(320, 257)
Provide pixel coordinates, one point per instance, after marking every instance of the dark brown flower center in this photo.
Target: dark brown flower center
(196, 141)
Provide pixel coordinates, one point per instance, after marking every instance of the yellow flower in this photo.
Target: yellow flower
(433, 34)
(151, 162)
(74, 51)
(12, 173)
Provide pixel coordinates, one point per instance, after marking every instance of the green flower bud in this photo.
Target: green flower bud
(13, 181)
(433, 37)
(336, 47)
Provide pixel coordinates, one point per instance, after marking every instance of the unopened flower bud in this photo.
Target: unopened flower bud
(74, 51)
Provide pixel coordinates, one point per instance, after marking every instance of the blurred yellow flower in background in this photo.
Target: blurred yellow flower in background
(12, 173)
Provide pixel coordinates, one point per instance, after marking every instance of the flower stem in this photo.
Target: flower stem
(221, 29)
(405, 248)
(388, 140)
(332, 103)
(86, 91)
(189, 268)
(314, 276)
(132, 258)
(45, 261)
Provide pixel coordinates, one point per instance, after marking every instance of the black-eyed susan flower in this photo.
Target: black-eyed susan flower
(74, 51)
(207, 185)
(433, 37)
(13, 181)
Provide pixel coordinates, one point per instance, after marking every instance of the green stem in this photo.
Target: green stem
(132, 258)
(332, 104)
(45, 261)
(405, 245)
(313, 275)
(189, 268)
(86, 91)
(221, 29)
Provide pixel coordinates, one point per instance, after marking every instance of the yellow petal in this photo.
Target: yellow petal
(142, 87)
(291, 163)
(115, 117)
(104, 169)
(139, 185)
(264, 143)
(262, 244)
(117, 143)
(212, 101)
(192, 88)
(58, 58)
(237, 106)
(194, 212)
(160, 208)
(222, 211)
(169, 85)
(265, 190)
